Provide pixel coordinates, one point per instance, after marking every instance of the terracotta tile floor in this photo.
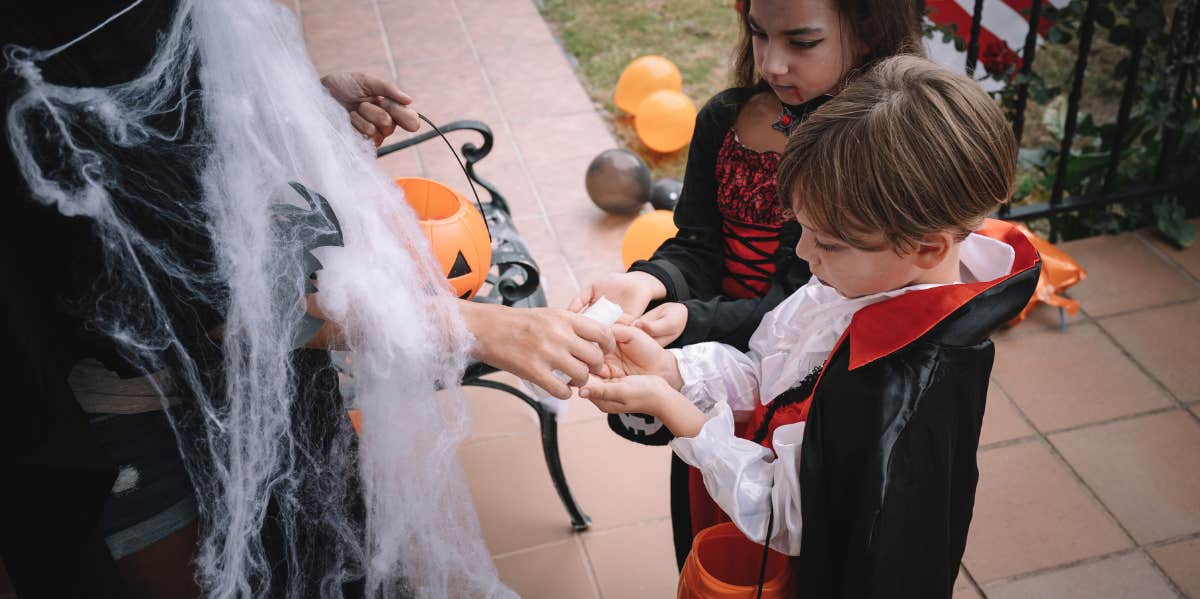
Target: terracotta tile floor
(1091, 442)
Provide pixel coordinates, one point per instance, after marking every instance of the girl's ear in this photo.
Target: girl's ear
(932, 249)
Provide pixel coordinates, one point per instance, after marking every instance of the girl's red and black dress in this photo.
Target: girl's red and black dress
(732, 260)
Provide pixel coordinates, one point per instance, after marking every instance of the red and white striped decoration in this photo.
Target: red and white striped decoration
(1001, 34)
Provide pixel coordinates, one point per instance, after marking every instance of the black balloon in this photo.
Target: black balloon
(618, 181)
(665, 193)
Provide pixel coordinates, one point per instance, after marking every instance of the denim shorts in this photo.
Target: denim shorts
(152, 496)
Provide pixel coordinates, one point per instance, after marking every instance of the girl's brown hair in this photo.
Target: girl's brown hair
(886, 27)
(907, 149)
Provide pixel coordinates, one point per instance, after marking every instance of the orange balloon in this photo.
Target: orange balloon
(456, 232)
(1059, 271)
(665, 121)
(645, 234)
(643, 77)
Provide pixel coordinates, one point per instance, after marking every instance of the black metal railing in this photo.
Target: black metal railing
(1182, 57)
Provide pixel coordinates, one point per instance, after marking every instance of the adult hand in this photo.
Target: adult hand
(664, 323)
(637, 353)
(376, 105)
(532, 343)
(633, 291)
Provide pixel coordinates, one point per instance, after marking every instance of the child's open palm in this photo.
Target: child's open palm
(637, 393)
(638, 353)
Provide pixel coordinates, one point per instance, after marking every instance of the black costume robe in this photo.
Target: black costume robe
(888, 462)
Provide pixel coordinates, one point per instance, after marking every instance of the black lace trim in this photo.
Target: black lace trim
(792, 396)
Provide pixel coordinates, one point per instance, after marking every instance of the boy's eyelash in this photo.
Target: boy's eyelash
(828, 248)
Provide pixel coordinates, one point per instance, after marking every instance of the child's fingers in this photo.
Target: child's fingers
(594, 389)
(654, 327)
(624, 334)
(664, 324)
(613, 391)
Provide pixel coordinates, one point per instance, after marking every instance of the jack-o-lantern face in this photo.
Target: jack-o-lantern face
(456, 232)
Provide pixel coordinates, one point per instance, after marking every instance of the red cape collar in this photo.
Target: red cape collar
(881, 329)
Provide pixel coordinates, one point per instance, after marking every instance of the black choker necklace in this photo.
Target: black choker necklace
(791, 115)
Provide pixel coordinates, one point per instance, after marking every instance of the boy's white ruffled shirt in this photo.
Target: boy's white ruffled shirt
(793, 339)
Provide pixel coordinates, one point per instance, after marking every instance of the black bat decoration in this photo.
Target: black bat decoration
(297, 232)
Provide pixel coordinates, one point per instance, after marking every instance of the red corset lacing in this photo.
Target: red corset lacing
(751, 217)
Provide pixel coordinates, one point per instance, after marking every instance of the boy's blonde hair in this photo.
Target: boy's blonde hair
(907, 149)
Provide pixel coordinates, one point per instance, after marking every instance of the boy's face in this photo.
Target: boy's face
(854, 272)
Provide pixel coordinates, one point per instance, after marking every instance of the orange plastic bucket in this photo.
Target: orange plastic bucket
(725, 564)
(456, 231)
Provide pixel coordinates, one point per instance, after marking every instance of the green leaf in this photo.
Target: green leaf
(1171, 220)
(1082, 166)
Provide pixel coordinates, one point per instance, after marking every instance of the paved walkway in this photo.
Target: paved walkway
(1090, 465)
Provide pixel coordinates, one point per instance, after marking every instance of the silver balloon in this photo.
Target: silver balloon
(618, 181)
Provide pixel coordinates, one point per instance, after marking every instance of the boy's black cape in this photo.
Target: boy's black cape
(888, 470)
(888, 466)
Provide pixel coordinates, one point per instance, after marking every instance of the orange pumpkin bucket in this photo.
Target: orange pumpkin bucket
(456, 232)
(724, 564)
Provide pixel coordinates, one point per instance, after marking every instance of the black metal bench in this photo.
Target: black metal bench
(512, 281)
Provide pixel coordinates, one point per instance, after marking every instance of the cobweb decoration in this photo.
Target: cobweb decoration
(183, 171)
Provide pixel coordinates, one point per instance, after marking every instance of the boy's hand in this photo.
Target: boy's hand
(633, 291)
(376, 106)
(637, 353)
(664, 323)
(638, 393)
(645, 394)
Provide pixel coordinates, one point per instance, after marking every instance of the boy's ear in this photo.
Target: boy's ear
(932, 249)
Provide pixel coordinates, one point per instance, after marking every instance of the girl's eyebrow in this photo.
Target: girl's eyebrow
(797, 31)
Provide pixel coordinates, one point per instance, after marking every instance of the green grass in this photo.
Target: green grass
(606, 35)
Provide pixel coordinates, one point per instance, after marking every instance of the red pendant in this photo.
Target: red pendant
(785, 120)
